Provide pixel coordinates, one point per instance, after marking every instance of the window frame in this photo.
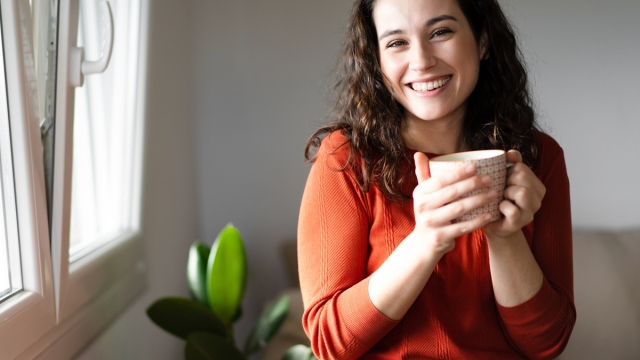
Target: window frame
(64, 305)
(82, 281)
(30, 313)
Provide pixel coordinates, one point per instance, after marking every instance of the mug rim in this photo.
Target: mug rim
(469, 155)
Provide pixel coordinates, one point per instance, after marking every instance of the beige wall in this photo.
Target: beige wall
(583, 58)
(260, 79)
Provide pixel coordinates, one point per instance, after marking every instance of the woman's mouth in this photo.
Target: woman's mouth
(430, 85)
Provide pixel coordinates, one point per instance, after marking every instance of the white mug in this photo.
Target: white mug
(489, 162)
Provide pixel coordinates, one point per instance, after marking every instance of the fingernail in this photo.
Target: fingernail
(486, 179)
(491, 194)
(470, 169)
(487, 217)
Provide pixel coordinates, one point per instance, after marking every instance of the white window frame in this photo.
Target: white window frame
(29, 314)
(80, 282)
(64, 305)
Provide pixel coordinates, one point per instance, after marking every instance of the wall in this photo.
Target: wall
(583, 57)
(260, 78)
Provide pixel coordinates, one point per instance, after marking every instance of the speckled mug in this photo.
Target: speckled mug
(490, 162)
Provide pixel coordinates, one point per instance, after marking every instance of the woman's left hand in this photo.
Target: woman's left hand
(522, 199)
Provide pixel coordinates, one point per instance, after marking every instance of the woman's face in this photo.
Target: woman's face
(428, 55)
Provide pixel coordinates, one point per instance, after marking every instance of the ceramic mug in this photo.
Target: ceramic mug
(489, 162)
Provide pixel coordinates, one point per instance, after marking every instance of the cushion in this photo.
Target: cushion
(607, 296)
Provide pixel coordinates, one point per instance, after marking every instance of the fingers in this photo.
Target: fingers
(468, 226)
(512, 220)
(438, 191)
(451, 210)
(523, 198)
(440, 199)
(525, 203)
(445, 179)
(514, 156)
(520, 175)
(422, 166)
(452, 231)
(441, 239)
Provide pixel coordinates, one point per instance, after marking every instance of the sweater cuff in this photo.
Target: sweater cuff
(530, 313)
(365, 322)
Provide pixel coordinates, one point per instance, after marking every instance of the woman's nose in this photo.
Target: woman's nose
(422, 58)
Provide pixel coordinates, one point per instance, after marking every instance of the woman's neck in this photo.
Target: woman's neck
(443, 136)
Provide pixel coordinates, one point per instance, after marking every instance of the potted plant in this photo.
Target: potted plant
(217, 279)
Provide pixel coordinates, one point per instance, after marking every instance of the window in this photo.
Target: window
(29, 312)
(104, 135)
(10, 273)
(71, 252)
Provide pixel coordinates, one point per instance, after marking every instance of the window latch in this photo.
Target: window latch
(79, 67)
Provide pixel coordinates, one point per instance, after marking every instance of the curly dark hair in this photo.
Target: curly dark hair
(498, 114)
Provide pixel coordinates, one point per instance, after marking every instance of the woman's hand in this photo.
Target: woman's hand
(523, 197)
(437, 201)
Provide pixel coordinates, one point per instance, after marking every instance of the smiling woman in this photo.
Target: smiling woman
(386, 270)
(430, 59)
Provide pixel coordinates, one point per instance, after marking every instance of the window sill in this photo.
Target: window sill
(96, 300)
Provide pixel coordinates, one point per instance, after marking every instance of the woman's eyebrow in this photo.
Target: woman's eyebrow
(430, 22)
(437, 19)
(389, 33)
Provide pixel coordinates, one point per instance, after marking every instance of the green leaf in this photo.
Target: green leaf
(268, 325)
(207, 346)
(182, 317)
(299, 352)
(197, 271)
(226, 274)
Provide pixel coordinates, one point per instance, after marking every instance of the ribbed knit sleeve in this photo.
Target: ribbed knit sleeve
(333, 230)
(540, 327)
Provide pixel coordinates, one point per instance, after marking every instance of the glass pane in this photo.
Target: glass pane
(104, 131)
(10, 272)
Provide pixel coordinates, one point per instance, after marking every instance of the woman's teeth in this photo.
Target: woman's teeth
(431, 85)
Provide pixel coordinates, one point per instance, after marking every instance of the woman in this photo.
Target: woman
(384, 272)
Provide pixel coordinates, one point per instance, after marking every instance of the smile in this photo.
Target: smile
(431, 85)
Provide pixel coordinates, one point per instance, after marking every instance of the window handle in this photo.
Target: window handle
(81, 67)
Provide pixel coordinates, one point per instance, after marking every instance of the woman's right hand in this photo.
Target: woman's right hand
(436, 204)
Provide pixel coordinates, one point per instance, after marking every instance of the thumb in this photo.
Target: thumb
(514, 156)
(422, 166)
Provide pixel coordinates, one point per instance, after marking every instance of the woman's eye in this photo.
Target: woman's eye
(396, 43)
(440, 32)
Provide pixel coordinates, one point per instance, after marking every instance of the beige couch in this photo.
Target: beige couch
(607, 297)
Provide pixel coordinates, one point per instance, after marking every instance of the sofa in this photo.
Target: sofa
(607, 296)
(606, 289)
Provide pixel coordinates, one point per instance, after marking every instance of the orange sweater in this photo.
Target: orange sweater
(344, 235)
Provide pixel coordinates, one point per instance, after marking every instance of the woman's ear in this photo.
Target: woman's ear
(484, 46)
